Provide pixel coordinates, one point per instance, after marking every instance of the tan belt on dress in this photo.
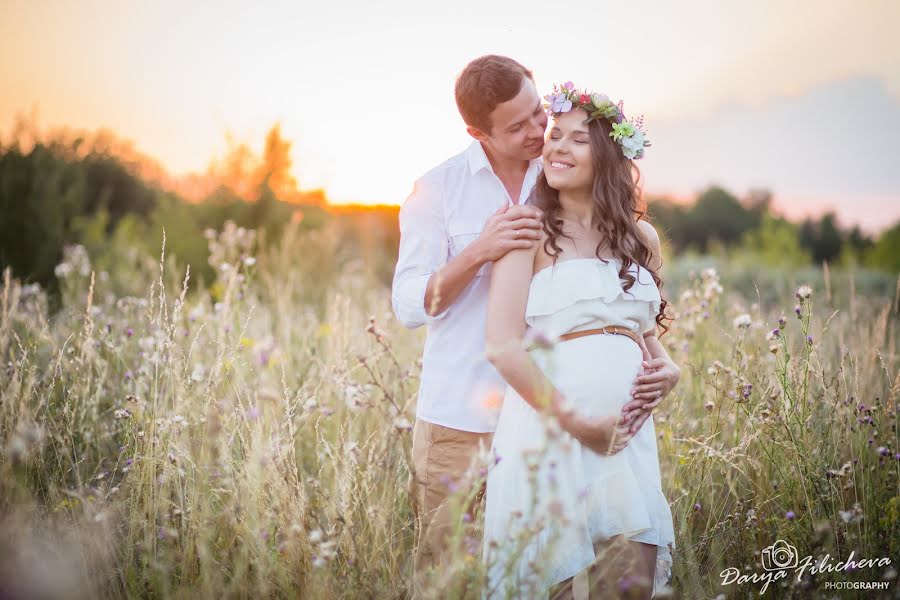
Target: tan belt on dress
(613, 329)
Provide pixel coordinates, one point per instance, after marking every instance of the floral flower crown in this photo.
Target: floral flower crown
(627, 133)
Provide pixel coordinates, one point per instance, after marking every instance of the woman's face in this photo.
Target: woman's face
(568, 159)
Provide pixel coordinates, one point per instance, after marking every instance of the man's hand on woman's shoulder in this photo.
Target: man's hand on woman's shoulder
(509, 228)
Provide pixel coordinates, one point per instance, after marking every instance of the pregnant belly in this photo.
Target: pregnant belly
(595, 372)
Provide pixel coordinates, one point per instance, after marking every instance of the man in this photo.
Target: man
(461, 216)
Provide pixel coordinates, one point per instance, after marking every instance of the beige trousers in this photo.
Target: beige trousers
(441, 457)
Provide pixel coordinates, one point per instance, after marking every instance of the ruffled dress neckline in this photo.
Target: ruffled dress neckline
(574, 280)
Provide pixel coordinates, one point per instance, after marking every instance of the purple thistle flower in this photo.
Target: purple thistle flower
(790, 515)
(809, 340)
(129, 332)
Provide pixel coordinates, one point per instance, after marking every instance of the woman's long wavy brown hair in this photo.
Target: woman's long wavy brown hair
(618, 206)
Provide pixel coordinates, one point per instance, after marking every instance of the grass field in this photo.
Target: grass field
(249, 437)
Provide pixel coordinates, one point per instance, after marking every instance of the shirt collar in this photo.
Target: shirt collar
(478, 160)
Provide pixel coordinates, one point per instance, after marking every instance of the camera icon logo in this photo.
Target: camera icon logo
(778, 556)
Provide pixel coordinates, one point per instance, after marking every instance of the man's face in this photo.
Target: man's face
(517, 126)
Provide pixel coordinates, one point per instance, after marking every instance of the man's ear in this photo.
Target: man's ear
(476, 133)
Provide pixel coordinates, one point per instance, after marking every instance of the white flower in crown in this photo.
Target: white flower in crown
(633, 144)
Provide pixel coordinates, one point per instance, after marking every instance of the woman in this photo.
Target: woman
(575, 491)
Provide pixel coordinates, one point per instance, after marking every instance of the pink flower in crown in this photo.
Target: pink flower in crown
(569, 86)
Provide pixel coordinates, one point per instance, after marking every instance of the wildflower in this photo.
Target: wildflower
(803, 292)
(354, 397)
(537, 338)
(790, 515)
(809, 340)
(129, 332)
(316, 536)
(249, 261)
(773, 334)
(709, 405)
(797, 310)
(62, 270)
(742, 321)
(318, 561)
(697, 506)
(883, 451)
(402, 424)
(782, 322)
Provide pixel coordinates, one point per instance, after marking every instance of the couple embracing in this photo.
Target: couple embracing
(528, 258)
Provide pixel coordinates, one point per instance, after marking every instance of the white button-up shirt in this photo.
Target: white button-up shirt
(446, 211)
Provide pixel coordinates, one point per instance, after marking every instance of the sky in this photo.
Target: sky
(801, 97)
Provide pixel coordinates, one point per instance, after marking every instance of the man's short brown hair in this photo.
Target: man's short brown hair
(486, 82)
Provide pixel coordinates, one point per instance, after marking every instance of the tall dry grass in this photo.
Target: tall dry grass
(251, 437)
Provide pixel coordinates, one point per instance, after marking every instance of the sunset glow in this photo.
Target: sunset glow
(364, 93)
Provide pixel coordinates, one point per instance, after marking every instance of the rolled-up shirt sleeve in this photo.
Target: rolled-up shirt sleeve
(423, 250)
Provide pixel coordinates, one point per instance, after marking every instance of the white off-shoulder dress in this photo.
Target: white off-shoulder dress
(547, 483)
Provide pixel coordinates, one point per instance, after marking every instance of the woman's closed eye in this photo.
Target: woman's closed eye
(556, 137)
